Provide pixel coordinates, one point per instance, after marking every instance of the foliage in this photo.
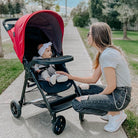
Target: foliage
(81, 7)
(80, 15)
(127, 13)
(95, 9)
(57, 8)
(111, 14)
(46, 4)
(81, 19)
(11, 8)
(3, 9)
(17, 7)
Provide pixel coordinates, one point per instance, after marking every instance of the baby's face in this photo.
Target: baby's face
(47, 53)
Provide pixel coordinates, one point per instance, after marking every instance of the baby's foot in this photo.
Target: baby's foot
(61, 78)
(53, 79)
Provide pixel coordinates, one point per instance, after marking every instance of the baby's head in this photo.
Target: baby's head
(44, 50)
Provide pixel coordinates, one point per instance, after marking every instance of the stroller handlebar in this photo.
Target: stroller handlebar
(9, 26)
(54, 60)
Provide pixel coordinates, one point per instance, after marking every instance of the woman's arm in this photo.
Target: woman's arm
(92, 79)
(110, 77)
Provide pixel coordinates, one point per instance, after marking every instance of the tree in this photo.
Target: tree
(95, 8)
(80, 15)
(128, 11)
(81, 7)
(111, 14)
(46, 4)
(11, 8)
(18, 7)
(57, 8)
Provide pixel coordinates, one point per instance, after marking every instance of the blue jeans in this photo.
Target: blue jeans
(102, 104)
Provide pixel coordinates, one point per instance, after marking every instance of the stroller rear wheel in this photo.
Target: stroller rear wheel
(15, 109)
(59, 125)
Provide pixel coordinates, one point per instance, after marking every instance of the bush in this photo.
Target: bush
(81, 19)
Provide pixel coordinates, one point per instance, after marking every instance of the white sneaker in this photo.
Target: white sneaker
(105, 117)
(62, 78)
(53, 79)
(115, 122)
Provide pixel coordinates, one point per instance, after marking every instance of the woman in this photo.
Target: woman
(108, 101)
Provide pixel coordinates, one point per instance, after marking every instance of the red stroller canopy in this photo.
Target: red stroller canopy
(49, 22)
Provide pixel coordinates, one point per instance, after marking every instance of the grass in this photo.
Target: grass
(131, 34)
(131, 50)
(9, 70)
(131, 125)
(129, 46)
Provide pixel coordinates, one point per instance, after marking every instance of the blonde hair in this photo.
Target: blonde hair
(101, 34)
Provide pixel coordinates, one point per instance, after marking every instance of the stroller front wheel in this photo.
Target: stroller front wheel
(15, 109)
(59, 125)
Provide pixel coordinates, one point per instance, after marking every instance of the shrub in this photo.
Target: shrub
(81, 19)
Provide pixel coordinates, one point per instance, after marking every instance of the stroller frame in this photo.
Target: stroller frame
(58, 122)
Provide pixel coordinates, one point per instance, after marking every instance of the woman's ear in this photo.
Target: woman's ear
(39, 46)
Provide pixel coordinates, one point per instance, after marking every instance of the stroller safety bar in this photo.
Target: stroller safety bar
(54, 60)
(7, 25)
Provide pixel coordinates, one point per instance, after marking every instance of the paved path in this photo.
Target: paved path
(35, 122)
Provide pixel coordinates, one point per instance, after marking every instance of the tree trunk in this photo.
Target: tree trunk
(125, 31)
(1, 50)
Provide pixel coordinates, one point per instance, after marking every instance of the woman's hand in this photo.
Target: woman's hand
(64, 73)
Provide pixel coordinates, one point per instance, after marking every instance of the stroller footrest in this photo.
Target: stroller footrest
(62, 107)
(57, 103)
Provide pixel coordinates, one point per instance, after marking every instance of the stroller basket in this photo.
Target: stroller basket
(26, 33)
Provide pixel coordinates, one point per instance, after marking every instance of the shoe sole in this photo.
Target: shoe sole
(104, 119)
(119, 124)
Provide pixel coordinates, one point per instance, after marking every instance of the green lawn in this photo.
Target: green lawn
(9, 70)
(131, 125)
(131, 34)
(130, 47)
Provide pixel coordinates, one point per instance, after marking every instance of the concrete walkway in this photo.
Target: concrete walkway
(35, 122)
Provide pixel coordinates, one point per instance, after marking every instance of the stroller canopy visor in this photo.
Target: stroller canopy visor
(45, 21)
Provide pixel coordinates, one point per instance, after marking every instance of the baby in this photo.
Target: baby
(47, 73)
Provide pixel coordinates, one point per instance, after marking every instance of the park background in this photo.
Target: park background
(121, 15)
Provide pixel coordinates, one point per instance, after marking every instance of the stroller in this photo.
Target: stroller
(26, 33)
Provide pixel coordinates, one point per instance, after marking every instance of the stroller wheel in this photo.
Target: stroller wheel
(59, 125)
(81, 117)
(15, 109)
